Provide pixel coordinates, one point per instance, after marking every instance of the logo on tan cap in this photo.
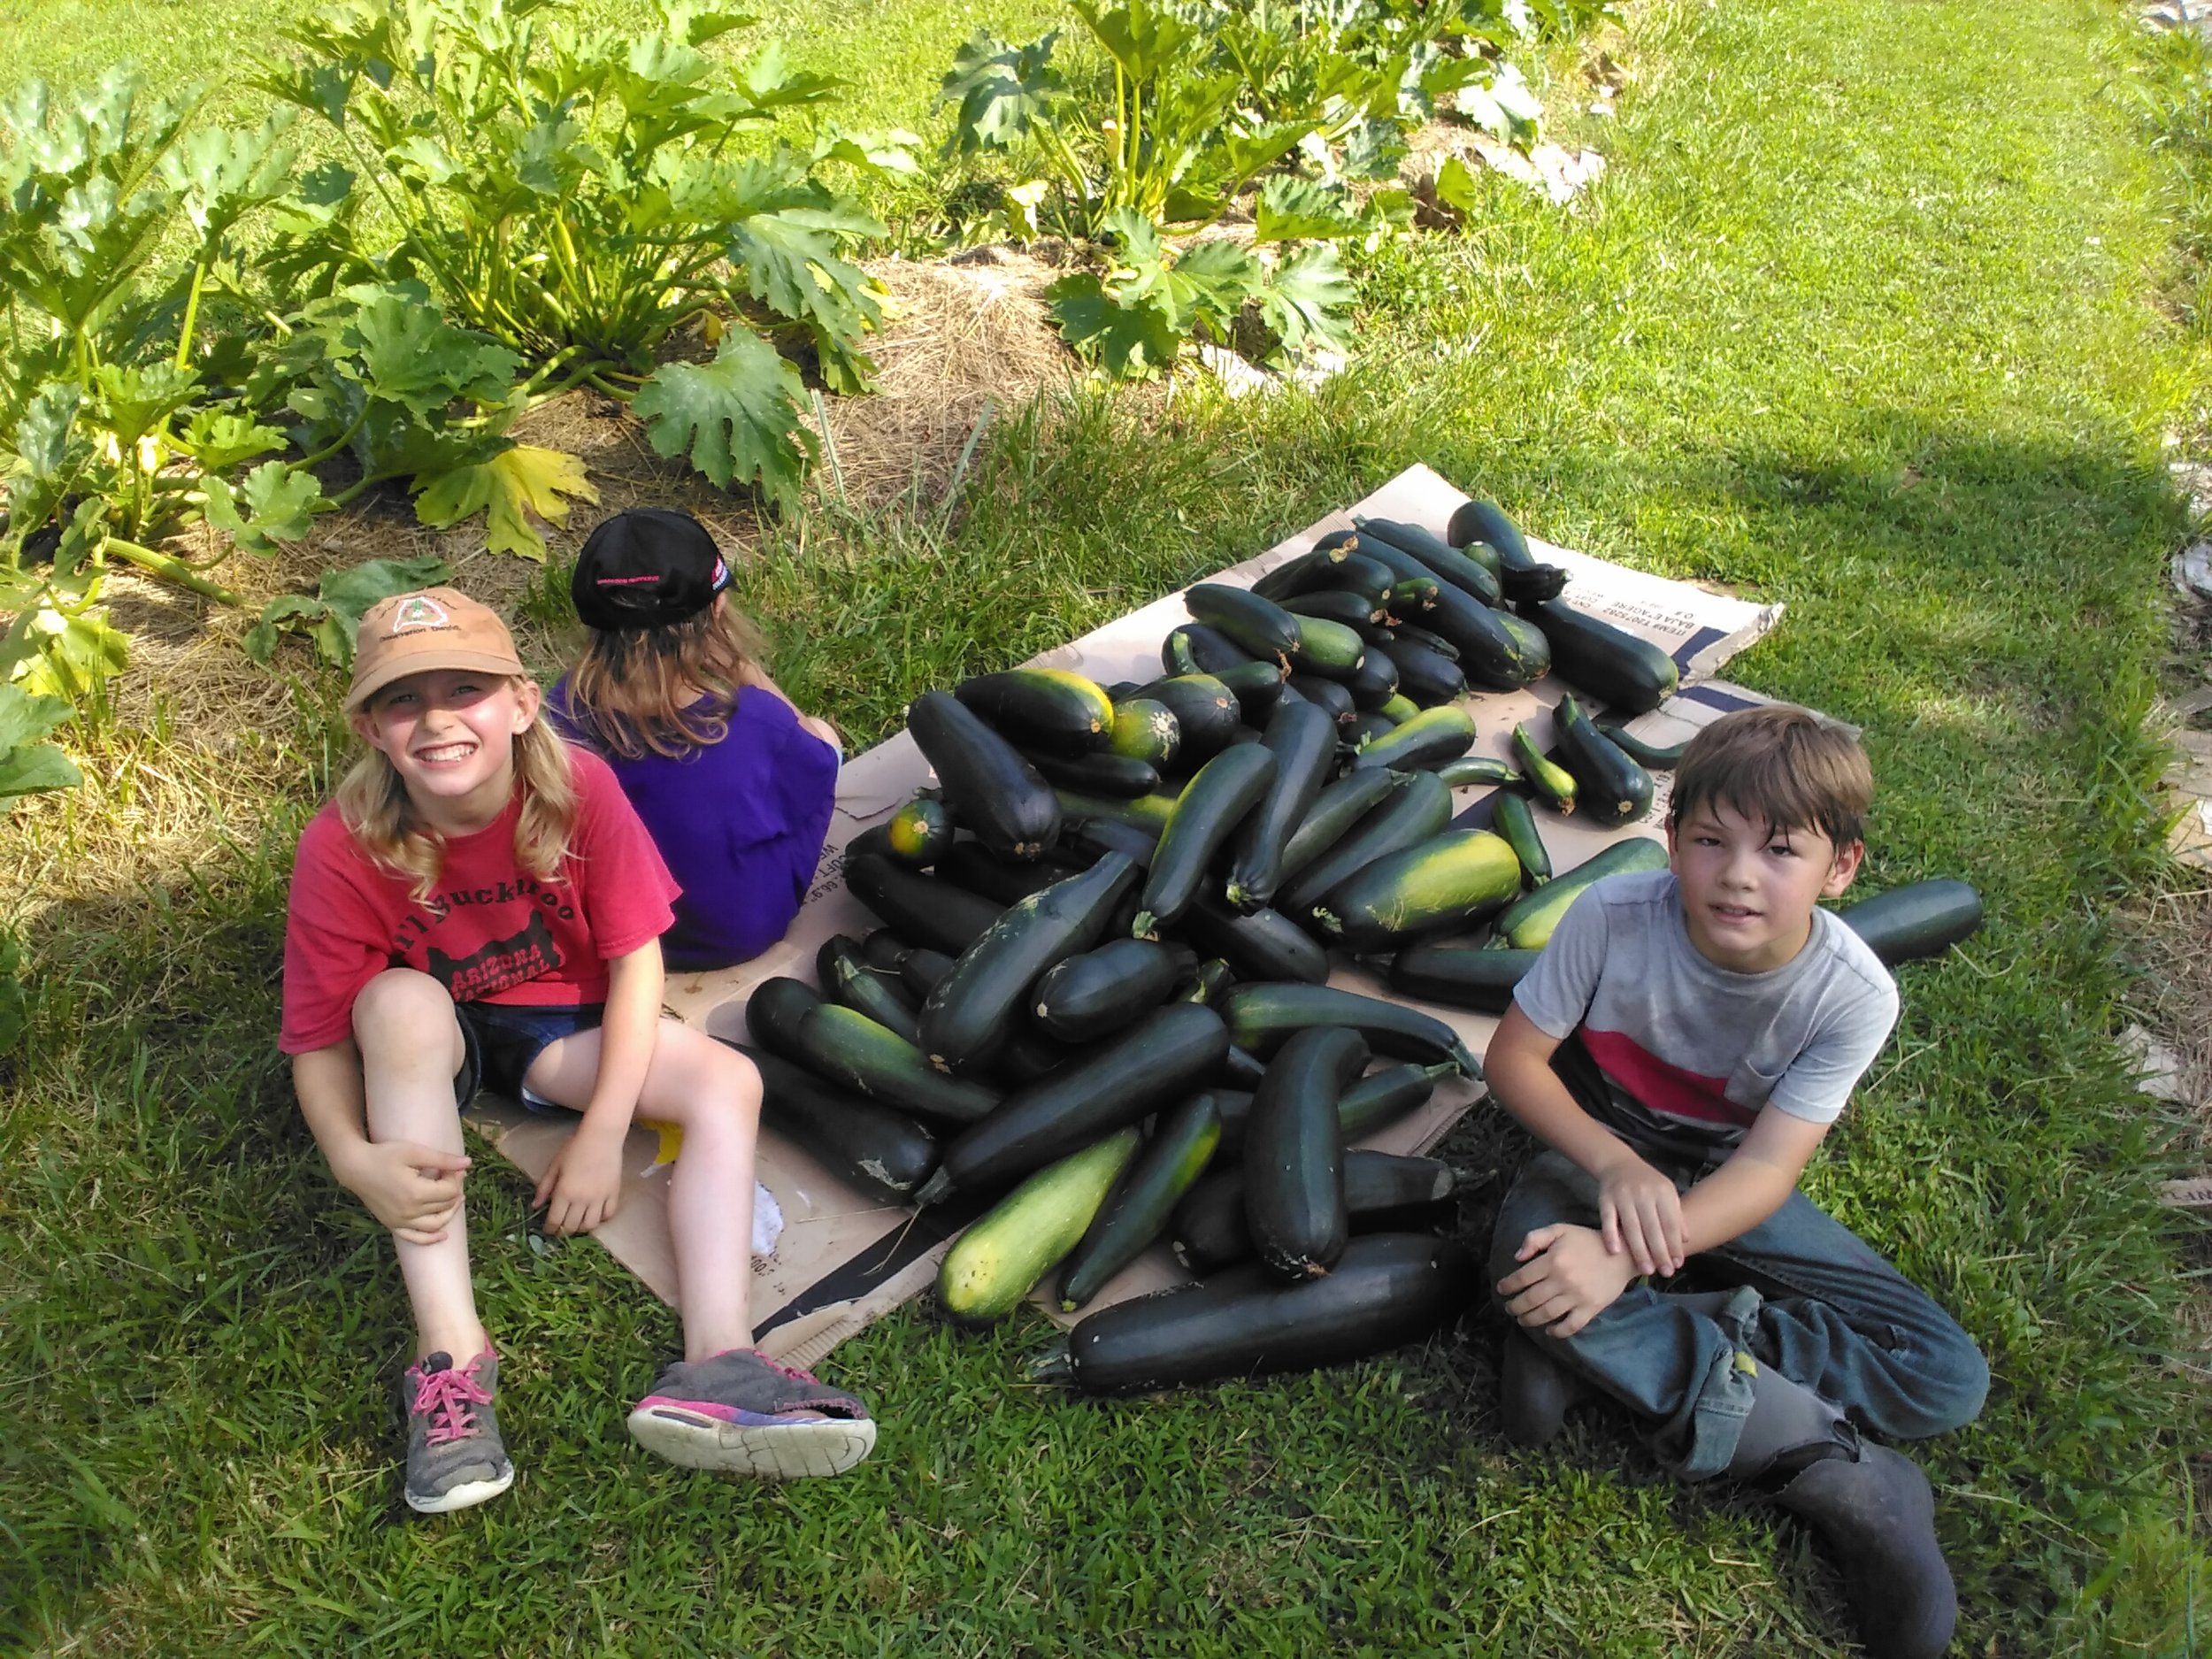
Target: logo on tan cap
(418, 612)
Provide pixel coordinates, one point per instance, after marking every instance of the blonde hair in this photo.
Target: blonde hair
(668, 690)
(1786, 766)
(374, 804)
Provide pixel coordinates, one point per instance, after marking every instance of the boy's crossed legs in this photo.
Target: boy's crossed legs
(1755, 1382)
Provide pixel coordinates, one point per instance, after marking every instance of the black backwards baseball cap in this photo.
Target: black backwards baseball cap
(645, 568)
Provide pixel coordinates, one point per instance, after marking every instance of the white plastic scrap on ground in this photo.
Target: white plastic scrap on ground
(1561, 174)
(2158, 1069)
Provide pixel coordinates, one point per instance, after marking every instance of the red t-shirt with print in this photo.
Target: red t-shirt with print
(490, 932)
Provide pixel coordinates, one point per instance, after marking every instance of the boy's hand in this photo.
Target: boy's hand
(583, 1184)
(414, 1190)
(1572, 1278)
(1639, 1214)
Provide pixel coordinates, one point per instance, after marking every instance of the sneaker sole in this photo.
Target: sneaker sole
(466, 1495)
(784, 1451)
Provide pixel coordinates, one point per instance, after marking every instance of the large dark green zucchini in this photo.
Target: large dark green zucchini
(1511, 816)
(772, 1013)
(1428, 740)
(848, 978)
(1145, 730)
(1383, 1193)
(1334, 810)
(849, 1048)
(1619, 668)
(1304, 741)
(1097, 992)
(1207, 714)
(1612, 790)
(1470, 575)
(1327, 649)
(1427, 677)
(1216, 801)
(1251, 620)
(925, 909)
(1242, 1068)
(1121, 1081)
(1527, 923)
(1411, 597)
(1460, 976)
(1137, 1212)
(1369, 728)
(1262, 1017)
(993, 1265)
(1100, 773)
(1535, 648)
(1432, 886)
(967, 1015)
(1490, 655)
(1261, 944)
(884, 950)
(1042, 707)
(1924, 919)
(1294, 1162)
(972, 865)
(1418, 807)
(989, 787)
(884, 1153)
(1413, 633)
(1087, 840)
(1388, 1290)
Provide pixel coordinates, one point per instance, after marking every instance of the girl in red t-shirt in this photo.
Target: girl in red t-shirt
(479, 904)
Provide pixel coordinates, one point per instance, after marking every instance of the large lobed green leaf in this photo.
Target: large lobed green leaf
(738, 418)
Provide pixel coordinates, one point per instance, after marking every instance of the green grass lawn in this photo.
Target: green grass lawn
(1862, 320)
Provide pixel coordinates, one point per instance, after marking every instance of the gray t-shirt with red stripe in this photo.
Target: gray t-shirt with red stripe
(1689, 1052)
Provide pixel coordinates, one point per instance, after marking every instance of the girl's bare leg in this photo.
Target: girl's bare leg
(712, 1093)
(409, 1039)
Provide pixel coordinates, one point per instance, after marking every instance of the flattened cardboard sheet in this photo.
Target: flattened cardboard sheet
(844, 1259)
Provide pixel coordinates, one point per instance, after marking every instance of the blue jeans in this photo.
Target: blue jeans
(1802, 1295)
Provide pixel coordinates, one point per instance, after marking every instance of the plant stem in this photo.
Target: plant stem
(172, 570)
(191, 314)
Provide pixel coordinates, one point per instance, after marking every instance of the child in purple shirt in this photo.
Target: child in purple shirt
(734, 783)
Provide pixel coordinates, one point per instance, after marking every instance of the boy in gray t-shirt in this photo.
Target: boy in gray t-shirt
(1682, 1047)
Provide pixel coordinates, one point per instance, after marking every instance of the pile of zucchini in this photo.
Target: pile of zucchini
(1097, 1000)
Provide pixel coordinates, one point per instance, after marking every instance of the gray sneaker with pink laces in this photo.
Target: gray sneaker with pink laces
(454, 1455)
(740, 1410)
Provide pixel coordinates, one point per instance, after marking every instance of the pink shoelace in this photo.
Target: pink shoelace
(452, 1397)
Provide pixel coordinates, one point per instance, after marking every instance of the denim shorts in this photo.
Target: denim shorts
(500, 1041)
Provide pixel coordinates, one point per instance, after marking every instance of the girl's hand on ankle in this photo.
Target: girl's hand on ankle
(414, 1190)
(1570, 1279)
(583, 1184)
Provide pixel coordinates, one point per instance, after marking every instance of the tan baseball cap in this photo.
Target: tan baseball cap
(432, 627)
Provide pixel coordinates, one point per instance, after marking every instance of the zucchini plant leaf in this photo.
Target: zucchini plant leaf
(1127, 340)
(41, 436)
(1143, 38)
(53, 653)
(25, 718)
(1292, 209)
(276, 504)
(878, 154)
(788, 241)
(133, 402)
(1305, 298)
(331, 619)
(219, 440)
(525, 477)
(738, 417)
(1002, 90)
(34, 767)
(1455, 187)
(408, 354)
(1206, 285)
(351, 590)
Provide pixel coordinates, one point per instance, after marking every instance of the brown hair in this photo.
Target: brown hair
(1787, 766)
(669, 689)
(372, 802)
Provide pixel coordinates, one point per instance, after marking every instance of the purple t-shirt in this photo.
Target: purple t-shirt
(739, 823)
